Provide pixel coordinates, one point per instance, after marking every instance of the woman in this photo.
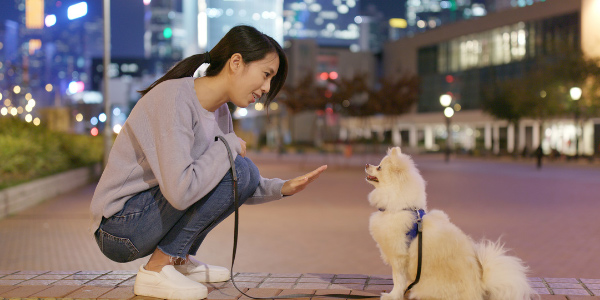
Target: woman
(166, 184)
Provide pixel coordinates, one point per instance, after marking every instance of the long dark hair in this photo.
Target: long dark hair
(250, 43)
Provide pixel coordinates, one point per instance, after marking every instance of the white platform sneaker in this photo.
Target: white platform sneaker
(201, 272)
(167, 284)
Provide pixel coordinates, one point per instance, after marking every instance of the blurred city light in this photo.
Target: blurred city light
(13, 111)
(168, 33)
(36, 121)
(102, 117)
(79, 117)
(117, 129)
(50, 20)
(273, 106)
(147, 2)
(76, 87)
(77, 10)
(259, 106)
(445, 100)
(7, 102)
(333, 75)
(49, 87)
(324, 76)
(242, 112)
(94, 121)
(28, 118)
(31, 102)
(448, 112)
(94, 131)
(116, 111)
(4, 111)
(575, 93)
(28, 96)
(398, 23)
(17, 89)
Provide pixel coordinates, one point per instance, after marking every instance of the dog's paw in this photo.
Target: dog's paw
(389, 296)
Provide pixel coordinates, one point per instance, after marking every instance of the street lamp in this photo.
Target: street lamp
(445, 101)
(575, 96)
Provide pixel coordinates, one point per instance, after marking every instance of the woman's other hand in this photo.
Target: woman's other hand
(297, 184)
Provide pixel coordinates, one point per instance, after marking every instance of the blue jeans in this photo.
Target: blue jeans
(148, 221)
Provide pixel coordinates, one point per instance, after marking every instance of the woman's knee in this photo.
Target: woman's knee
(248, 175)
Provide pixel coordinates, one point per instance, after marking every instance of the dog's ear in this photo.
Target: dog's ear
(395, 151)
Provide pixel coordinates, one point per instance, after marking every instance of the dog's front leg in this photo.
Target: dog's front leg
(399, 277)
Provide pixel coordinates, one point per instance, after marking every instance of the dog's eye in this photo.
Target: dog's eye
(379, 168)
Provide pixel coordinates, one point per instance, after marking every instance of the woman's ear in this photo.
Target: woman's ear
(236, 62)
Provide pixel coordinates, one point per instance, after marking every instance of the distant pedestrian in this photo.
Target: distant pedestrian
(167, 185)
(539, 154)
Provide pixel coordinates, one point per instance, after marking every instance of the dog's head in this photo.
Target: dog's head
(397, 182)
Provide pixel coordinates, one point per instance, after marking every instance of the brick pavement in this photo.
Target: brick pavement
(52, 236)
(119, 285)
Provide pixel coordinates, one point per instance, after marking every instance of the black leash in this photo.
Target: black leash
(420, 257)
(235, 239)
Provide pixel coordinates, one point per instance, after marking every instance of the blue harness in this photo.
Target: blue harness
(412, 233)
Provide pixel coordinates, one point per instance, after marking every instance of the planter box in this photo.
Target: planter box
(18, 198)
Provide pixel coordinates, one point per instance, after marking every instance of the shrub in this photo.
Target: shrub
(29, 152)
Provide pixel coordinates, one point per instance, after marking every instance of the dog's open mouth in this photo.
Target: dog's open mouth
(372, 178)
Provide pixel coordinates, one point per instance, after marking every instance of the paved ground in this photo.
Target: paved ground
(547, 217)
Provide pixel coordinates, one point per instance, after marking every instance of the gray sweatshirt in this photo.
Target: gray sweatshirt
(169, 140)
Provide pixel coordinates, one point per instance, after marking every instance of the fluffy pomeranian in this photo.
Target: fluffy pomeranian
(453, 265)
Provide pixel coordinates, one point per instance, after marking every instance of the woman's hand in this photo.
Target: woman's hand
(243, 143)
(297, 184)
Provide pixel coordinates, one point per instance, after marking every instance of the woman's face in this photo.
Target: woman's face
(250, 81)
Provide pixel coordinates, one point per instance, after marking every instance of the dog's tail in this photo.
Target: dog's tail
(504, 277)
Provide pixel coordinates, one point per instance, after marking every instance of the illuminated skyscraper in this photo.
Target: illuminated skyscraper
(216, 17)
(164, 34)
(329, 22)
(427, 14)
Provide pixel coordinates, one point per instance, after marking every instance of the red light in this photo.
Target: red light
(449, 78)
(333, 75)
(94, 131)
(328, 93)
(329, 110)
(324, 76)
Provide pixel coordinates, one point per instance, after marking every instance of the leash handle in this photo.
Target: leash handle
(235, 240)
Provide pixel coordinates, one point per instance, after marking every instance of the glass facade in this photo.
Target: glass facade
(221, 15)
(462, 66)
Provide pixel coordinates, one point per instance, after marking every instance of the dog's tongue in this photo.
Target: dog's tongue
(373, 178)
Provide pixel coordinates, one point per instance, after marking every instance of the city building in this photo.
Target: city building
(463, 57)
(217, 17)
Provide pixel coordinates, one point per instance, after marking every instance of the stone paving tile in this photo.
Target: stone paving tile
(562, 285)
(119, 293)
(553, 297)
(19, 276)
(594, 286)
(318, 275)
(243, 284)
(379, 287)
(249, 278)
(297, 291)
(315, 280)
(534, 279)
(99, 282)
(596, 292)
(129, 282)
(254, 274)
(542, 291)
(282, 275)
(70, 282)
(89, 292)
(365, 293)
(380, 281)
(580, 292)
(38, 282)
(62, 273)
(6, 288)
(586, 281)
(51, 276)
(349, 276)
(83, 276)
(536, 284)
(123, 272)
(114, 277)
(32, 272)
(355, 281)
(23, 291)
(335, 291)
(225, 294)
(281, 279)
(382, 277)
(276, 285)
(347, 286)
(311, 285)
(563, 280)
(260, 293)
(56, 291)
(10, 282)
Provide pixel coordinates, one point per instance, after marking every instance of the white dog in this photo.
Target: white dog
(453, 265)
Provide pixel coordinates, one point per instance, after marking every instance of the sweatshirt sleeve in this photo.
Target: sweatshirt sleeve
(268, 190)
(184, 180)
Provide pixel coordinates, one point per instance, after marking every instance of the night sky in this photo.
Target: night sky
(127, 25)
